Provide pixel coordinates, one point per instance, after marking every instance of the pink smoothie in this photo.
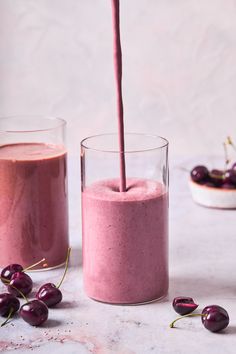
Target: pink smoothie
(33, 204)
(125, 241)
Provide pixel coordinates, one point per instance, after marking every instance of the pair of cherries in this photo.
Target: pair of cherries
(214, 317)
(20, 284)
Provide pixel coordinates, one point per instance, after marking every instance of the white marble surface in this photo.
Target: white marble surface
(179, 82)
(202, 265)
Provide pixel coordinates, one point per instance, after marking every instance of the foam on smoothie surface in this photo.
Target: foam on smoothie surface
(30, 151)
(136, 190)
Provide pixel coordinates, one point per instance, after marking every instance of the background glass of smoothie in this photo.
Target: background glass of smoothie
(125, 234)
(33, 191)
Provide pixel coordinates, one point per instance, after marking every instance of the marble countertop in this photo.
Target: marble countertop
(202, 265)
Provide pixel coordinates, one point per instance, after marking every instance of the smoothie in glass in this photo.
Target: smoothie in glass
(125, 219)
(125, 241)
(33, 204)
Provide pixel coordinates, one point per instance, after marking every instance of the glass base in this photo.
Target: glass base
(159, 299)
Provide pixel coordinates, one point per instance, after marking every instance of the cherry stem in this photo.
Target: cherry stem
(189, 315)
(8, 317)
(213, 175)
(12, 286)
(33, 265)
(66, 267)
(230, 142)
(5, 280)
(227, 160)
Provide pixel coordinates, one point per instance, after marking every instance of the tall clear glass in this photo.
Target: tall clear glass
(33, 191)
(125, 234)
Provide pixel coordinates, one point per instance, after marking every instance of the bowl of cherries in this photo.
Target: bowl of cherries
(215, 188)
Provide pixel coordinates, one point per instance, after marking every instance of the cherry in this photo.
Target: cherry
(199, 174)
(20, 283)
(230, 176)
(34, 312)
(9, 305)
(8, 302)
(184, 305)
(8, 271)
(215, 318)
(217, 177)
(49, 293)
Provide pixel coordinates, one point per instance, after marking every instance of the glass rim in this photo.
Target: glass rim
(153, 136)
(61, 123)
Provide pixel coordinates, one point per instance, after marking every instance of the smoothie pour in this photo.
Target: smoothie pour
(125, 235)
(118, 77)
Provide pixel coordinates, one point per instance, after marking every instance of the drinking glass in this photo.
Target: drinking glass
(33, 191)
(125, 234)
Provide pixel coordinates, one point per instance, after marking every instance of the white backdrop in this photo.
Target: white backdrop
(179, 67)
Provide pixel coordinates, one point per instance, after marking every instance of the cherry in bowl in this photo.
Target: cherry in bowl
(199, 174)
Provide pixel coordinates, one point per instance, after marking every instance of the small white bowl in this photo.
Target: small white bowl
(213, 197)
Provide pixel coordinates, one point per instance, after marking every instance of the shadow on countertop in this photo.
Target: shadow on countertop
(76, 257)
(51, 323)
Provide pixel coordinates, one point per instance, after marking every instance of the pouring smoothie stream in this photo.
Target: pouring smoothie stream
(124, 220)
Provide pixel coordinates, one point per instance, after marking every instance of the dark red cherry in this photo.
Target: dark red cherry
(49, 294)
(217, 177)
(230, 176)
(184, 305)
(215, 318)
(199, 174)
(8, 271)
(22, 282)
(8, 303)
(34, 312)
